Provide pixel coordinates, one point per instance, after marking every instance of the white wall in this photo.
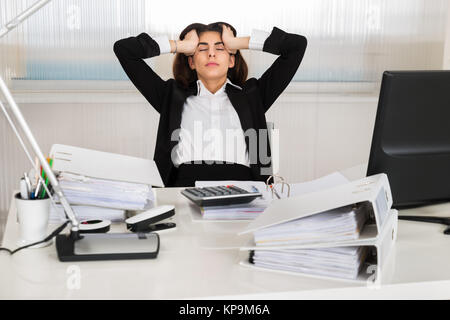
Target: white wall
(446, 63)
(319, 133)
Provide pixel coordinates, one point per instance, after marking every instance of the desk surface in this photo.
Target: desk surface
(200, 259)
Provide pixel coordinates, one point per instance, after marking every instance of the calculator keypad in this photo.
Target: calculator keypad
(219, 195)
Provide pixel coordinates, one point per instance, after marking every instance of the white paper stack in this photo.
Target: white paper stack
(344, 262)
(87, 213)
(246, 211)
(82, 190)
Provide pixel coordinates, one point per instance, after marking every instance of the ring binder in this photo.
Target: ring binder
(281, 228)
(271, 186)
(105, 165)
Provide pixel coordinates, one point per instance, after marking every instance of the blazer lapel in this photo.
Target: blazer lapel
(176, 108)
(239, 102)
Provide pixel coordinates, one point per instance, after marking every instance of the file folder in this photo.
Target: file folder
(372, 194)
(104, 165)
(373, 269)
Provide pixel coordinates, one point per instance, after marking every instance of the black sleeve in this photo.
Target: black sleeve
(291, 49)
(131, 52)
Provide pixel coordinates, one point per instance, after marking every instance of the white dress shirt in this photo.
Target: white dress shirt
(210, 129)
(210, 126)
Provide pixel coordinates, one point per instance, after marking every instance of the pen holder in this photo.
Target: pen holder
(33, 216)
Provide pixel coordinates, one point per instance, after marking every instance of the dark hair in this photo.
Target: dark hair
(184, 75)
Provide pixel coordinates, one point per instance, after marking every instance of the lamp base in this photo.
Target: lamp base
(107, 246)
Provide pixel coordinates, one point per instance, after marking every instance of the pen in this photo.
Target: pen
(29, 187)
(38, 187)
(44, 177)
(27, 180)
(50, 161)
(33, 194)
(23, 189)
(36, 169)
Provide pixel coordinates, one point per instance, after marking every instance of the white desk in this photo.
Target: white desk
(186, 268)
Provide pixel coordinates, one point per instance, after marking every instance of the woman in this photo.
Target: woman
(212, 122)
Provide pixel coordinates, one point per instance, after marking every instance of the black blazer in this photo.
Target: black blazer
(251, 103)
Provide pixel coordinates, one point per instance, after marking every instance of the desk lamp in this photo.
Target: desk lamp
(74, 247)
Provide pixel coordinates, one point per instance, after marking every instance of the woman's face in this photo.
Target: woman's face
(211, 60)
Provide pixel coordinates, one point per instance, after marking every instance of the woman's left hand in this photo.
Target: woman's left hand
(228, 39)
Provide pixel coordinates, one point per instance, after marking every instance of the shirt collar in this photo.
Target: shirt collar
(203, 91)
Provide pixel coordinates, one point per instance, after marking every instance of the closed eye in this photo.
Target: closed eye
(218, 47)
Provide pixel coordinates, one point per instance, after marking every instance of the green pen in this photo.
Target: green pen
(43, 179)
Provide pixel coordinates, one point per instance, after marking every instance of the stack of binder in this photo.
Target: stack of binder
(345, 232)
(94, 179)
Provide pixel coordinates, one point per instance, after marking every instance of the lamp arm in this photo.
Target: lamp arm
(23, 124)
(29, 135)
(22, 16)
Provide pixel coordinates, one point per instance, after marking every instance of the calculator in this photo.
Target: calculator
(220, 195)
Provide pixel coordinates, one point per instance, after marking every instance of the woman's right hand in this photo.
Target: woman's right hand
(189, 44)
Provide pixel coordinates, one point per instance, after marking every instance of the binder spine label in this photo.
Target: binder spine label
(381, 206)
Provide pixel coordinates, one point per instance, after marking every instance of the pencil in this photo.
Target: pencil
(50, 161)
(36, 168)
